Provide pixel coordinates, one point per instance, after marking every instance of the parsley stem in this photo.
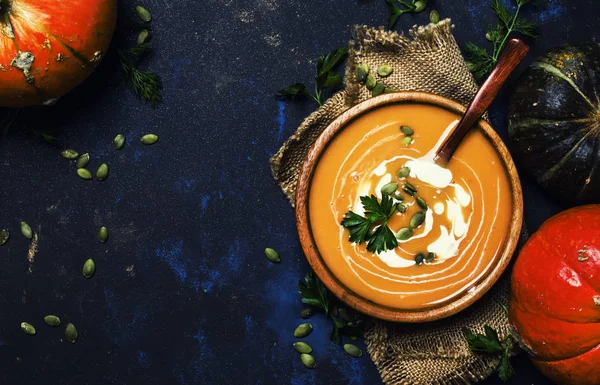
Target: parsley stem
(510, 30)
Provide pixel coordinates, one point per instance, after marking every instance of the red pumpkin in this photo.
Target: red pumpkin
(555, 298)
(48, 47)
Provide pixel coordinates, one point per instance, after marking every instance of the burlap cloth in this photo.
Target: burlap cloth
(430, 60)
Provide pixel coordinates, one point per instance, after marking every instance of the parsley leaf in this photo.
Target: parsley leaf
(415, 6)
(505, 369)
(490, 343)
(358, 226)
(326, 78)
(314, 293)
(373, 228)
(383, 239)
(479, 60)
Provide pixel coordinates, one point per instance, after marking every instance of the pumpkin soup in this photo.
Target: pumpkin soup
(398, 230)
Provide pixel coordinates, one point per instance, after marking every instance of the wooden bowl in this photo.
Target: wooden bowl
(319, 266)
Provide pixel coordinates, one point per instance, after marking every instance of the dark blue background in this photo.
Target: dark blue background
(183, 293)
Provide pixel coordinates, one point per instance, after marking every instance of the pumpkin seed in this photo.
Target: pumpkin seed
(26, 230)
(28, 328)
(84, 173)
(272, 255)
(422, 204)
(307, 312)
(384, 70)
(378, 89)
(389, 188)
(404, 172)
(417, 219)
(119, 141)
(345, 315)
(149, 139)
(143, 37)
(398, 197)
(102, 172)
(143, 14)
(4, 236)
(370, 82)
(407, 130)
(302, 347)
(89, 268)
(419, 259)
(401, 208)
(303, 330)
(352, 350)
(362, 71)
(430, 257)
(489, 37)
(308, 360)
(70, 154)
(103, 234)
(83, 160)
(434, 17)
(420, 5)
(353, 338)
(409, 186)
(408, 140)
(404, 234)
(71, 333)
(52, 320)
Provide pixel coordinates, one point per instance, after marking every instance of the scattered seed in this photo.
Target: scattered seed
(352, 350)
(353, 338)
(303, 330)
(345, 315)
(28, 328)
(378, 89)
(420, 5)
(430, 257)
(26, 230)
(404, 234)
(404, 172)
(409, 186)
(389, 188)
(398, 197)
(417, 219)
(362, 71)
(143, 37)
(4, 236)
(308, 360)
(307, 312)
(401, 208)
(407, 130)
(84, 173)
(119, 141)
(370, 82)
(272, 255)
(102, 172)
(70, 154)
(434, 17)
(422, 204)
(489, 37)
(149, 139)
(52, 320)
(143, 14)
(384, 70)
(103, 234)
(409, 191)
(408, 140)
(71, 333)
(419, 259)
(302, 347)
(89, 268)
(83, 160)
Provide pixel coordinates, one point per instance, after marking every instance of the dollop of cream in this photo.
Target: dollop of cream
(427, 171)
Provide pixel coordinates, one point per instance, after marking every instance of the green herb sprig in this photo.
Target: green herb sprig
(480, 61)
(400, 7)
(490, 343)
(326, 78)
(373, 227)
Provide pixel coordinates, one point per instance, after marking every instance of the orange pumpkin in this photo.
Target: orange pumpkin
(48, 47)
(555, 297)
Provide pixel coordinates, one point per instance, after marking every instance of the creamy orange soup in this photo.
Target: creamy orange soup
(466, 222)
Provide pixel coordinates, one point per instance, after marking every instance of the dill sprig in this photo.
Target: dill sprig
(480, 61)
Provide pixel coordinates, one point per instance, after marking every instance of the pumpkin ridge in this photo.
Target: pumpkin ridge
(595, 165)
(550, 173)
(80, 58)
(529, 122)
(556, 72)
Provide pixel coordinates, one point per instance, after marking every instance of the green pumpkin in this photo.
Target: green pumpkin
(554, 122)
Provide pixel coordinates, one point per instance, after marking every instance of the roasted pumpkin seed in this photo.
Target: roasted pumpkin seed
(52, 320)
(103, 234)
(408, 140)
(378, 89)
(119, 141)
(410, 187)
(398, 197)
(384, 70)
(26, 230)
(404, 172)
(389, 188)
(84, 173)
(272, 255)
(28, 328)
(417, 219)
(422, 204)
(143, 14)
(83, 160)
(149, 139)
(362, 71)
(69, 153)
(143, 37)
(430, 257)
(420, 5)
(352, 350)
(303, 330)
(404, 234)
(434, 17)
(89, 268)
(308, 360)
(302, 347)
(71, 333)
(102, 172)
(407, 130)
(4, 236)
(346, 315)
(419, 259)
(401, 208)
(307, 312)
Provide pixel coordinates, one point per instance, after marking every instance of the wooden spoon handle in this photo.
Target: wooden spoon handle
(514, 52)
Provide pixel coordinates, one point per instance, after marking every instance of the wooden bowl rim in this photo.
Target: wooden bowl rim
(320, 267)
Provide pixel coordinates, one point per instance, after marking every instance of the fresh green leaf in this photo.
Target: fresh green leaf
(376, 210)
(314, 293)
(358, 227)
(526, 27)
(377, 214)
(505, 369)
(146, 85)
(488, 343)
(383, 239)
(480, 62)
(329, 62)
(333, 81)
(502, 12)
(399, 7)
(293, 91)
(336, 331)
